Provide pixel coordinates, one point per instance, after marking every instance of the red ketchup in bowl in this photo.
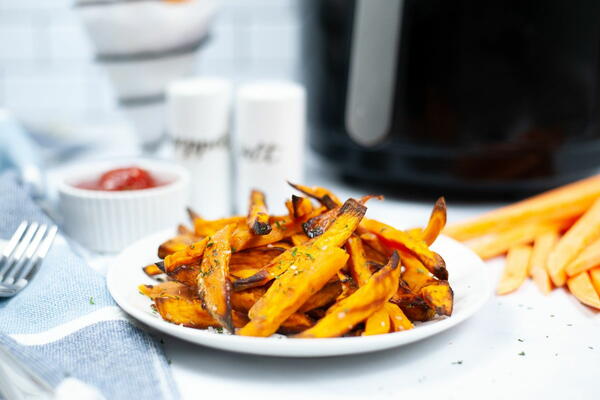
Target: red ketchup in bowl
(121, 179)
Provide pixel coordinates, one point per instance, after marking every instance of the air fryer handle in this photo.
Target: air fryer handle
(373, 59)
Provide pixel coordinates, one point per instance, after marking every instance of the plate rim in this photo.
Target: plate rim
(303, 347)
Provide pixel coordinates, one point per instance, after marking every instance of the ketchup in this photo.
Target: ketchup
(120, 179)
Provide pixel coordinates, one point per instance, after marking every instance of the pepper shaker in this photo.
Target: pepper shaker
(198, 112)
(270, 126)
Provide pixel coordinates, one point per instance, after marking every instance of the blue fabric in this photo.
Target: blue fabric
(116, 357)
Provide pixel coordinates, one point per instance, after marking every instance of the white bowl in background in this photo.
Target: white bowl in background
(108, 221)
(125, 28)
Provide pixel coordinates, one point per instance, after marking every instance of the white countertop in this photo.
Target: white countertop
(560, 339)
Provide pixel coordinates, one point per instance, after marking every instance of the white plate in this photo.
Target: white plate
(468, 278)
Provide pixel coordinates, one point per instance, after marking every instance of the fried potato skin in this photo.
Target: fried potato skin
(292, 289)
(214, 287)
(344, 315)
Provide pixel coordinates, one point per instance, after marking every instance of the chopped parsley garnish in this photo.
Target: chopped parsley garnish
(294, 251)
(92, 302)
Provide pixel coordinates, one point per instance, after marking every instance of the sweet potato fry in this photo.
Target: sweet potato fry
(322, 195)
(542, 247)
(595, 277)
(186, 274)
(281, 228)
(542, 280)
(152, 270)
(589, 258)
(584, 232)
(189, 312)
(248, 262)
(167, 289)
(243, 300)
(415, 274)
(439, 296)
(339, 231)
(256, 257)
(401, 240)
(347, 283)
(515, 271)
(412, 304)
(292, 289)
(499, 244)
(317, 225)
(205, 227)
(378, 323)
(344, 315)
(258, 215)
(581, 287)
(566, 202)
(178, 243)
(299, 239)
(361, 273)
(213, 280)
(399, 321)
(300, 207)
(323, 297)
(297, 322)
(359, 268)
(436, 223)
(189, 255)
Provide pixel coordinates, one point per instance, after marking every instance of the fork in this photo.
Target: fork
(22, 256)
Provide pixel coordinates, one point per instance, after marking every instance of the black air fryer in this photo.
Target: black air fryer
(476, 96)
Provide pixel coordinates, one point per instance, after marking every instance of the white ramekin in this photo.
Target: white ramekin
(109, 221)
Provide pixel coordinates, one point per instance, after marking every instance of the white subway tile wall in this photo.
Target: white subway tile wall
(47, 67)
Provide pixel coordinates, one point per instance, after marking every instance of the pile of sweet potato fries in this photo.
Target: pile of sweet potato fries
(553, 237)
(322, 270)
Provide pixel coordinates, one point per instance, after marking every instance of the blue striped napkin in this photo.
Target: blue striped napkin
(65, 324)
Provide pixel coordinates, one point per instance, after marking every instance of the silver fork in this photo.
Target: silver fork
(22, 256)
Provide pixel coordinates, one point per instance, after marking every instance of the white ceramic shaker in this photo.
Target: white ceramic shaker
(270, 126)
(198, 114)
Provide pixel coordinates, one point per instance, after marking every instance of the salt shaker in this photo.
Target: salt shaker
(198, 112)
(270, 125)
